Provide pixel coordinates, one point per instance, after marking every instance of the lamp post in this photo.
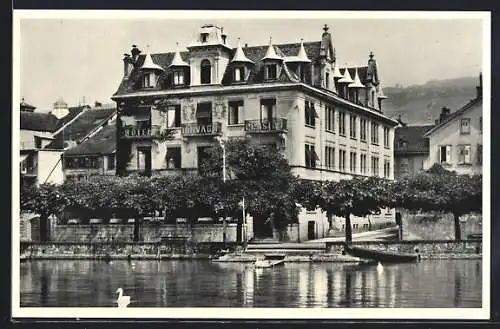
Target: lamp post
(224, 221)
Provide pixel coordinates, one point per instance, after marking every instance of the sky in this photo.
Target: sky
(81, 58)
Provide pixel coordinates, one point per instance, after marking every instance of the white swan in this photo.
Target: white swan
(122, 301)
(380, 268)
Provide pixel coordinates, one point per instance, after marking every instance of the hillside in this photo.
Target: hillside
(421, 104)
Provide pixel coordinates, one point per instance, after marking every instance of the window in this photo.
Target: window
(330, 118)
(327, 80)
(235, 111)
(178, 78)
(147, 81)
(204, 37)
(239, 74)
(386, 137)
(204, 113)
(480, 125)
(111, 162)
(206, 72)
(352, 126)
(362, 163)
(329, 157)
(404, 166)
(342, 160)
(174, 116)
(173, 157)
(38, 142)
(342, 123)
(363, 130)
(352, 162)
(374, 133)
(375, 166)
(445, 154)
(310, 114)
(387, 168)
(311, 156)
(271, 71)
(465, 126)
(479, 154)
(267, 109)
(464, 154)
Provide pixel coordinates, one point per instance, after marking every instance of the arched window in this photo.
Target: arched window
(206, 71)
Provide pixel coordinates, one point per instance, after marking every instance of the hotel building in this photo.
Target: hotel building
(325, 119)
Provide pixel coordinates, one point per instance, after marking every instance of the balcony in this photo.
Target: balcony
(274, 125)
(201, 129)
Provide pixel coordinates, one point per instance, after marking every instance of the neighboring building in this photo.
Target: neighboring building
(411, 150)
(40, 163)
(45, 135)
(90, 143)
(456, 142)
(325, 119)
(94, 156)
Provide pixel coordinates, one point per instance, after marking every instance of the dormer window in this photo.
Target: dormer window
(206, 71)
(271, 71)
(204, 37)
(239, 74)
(178, 78)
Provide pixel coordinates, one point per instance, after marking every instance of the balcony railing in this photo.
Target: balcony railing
(201, 129)
(274, 125)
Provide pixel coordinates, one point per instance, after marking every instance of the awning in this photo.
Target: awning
(23, 157)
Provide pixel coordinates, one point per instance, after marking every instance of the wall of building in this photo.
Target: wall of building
(409, 165)
(27, 138)
(86, 172)
(450, 134)
(290, 106)
(50, 167)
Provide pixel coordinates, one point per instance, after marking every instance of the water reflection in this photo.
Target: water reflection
(453, 283)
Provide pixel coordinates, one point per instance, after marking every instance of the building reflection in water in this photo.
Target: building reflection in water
(204, 284)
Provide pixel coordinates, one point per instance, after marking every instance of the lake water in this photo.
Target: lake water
(436, 283)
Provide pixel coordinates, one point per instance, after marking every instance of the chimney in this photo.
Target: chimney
(246, 45)
(135, 53)
(444, 114)
(223, 36)
(479, 89)
(128, 65)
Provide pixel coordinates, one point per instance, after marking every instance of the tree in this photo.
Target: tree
(257, 172)
(443, 192)
(46, 200)
(359, 196)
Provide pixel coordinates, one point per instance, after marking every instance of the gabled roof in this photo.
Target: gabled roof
(254, 53)
(456, 114)
(38, 121)
(103, 142)
(82, 126)
(73, 112)
(414, 138)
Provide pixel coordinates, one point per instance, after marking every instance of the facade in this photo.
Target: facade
(90, 143)
(411, 150)
(326, 120)
(94, 156)
(456, 142)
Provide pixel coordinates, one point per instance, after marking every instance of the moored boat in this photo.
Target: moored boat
(381, 256)
(270, 260)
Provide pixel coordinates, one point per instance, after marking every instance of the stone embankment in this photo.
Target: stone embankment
(330, 252)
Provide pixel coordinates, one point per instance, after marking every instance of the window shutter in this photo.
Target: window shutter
(467, 153)
(448, 153)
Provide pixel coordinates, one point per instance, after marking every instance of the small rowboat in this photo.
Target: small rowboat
(270, 260)
(381, 256)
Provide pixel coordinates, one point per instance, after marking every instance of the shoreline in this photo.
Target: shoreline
(317, 258)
